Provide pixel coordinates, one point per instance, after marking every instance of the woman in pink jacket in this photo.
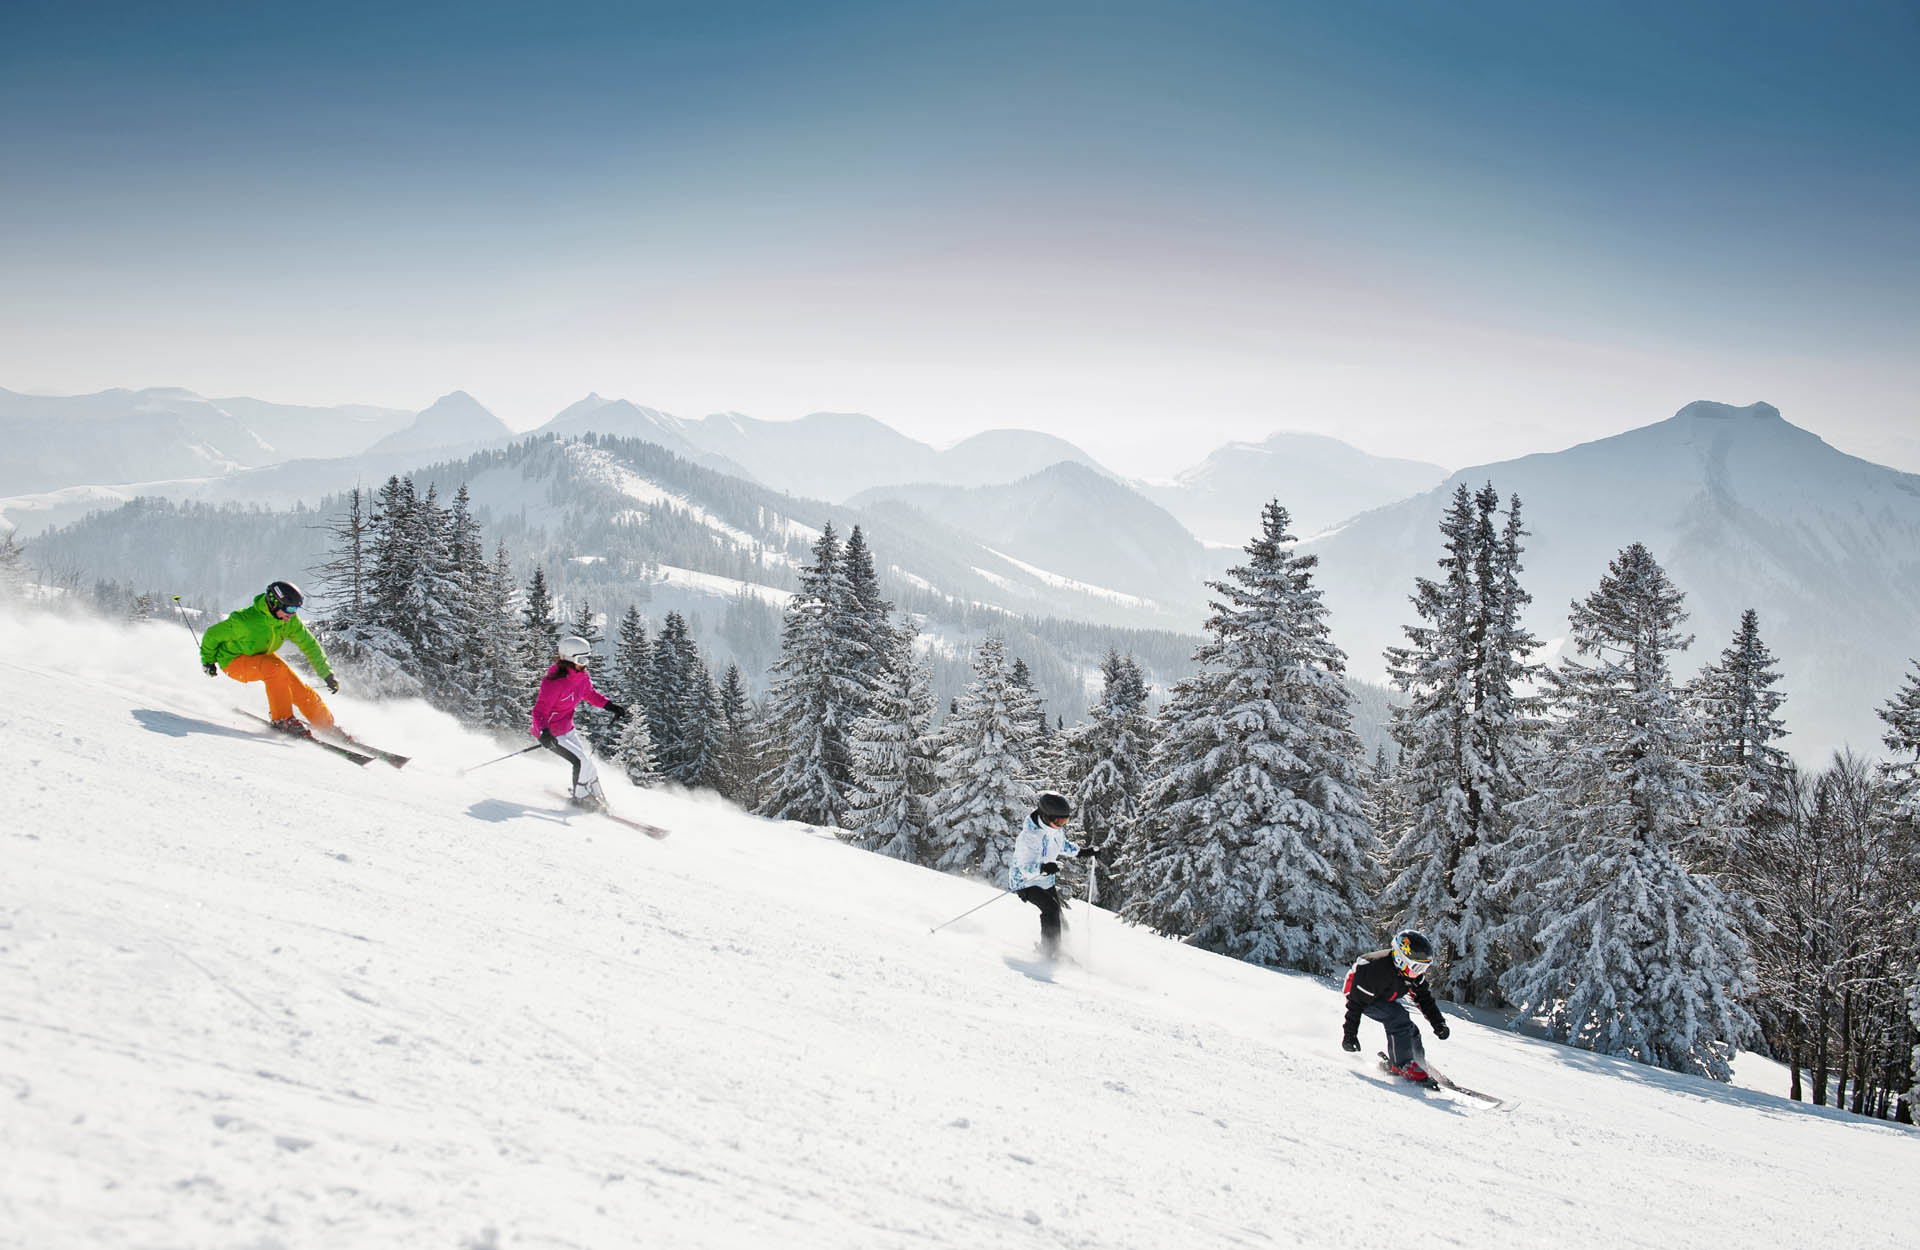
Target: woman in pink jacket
(562, 690)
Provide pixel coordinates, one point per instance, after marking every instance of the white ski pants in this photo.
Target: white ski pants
(572, 747)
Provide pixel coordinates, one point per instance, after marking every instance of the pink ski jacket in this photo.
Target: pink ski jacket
(560, 693)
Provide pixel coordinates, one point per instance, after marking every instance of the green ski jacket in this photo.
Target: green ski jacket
(254, 631)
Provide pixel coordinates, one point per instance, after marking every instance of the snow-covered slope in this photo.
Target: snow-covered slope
(252, 995)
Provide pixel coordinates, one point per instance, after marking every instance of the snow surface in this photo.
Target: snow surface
(1063, 582)
(252, 996)
(631, 484)
(724, 587)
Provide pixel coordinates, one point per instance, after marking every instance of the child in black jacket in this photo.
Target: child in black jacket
(1375, 986)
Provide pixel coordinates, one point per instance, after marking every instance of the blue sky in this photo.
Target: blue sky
(1456, 231)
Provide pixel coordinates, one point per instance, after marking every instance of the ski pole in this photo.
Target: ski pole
(509, 755)
(183, 620)
(1093, 897)
(969, 911)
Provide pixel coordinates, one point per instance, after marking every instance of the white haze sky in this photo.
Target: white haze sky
(1456, 234)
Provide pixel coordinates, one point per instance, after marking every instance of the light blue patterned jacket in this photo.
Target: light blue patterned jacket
(1037, 845)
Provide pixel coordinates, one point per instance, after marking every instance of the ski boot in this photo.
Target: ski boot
(293, 726)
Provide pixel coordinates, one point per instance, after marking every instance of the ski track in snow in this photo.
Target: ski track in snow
(251, 995)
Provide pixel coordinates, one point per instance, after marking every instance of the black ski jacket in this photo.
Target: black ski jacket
(1375, 979)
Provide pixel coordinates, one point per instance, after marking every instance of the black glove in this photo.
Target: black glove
(615, 710)
(546, 737)
(1049, 866)
(213, 670)
(333, 684)
(1441, 1030)
(1350, 1043)
(1090, 852)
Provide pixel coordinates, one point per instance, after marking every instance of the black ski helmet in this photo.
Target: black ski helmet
(284, 597)
(1412, 953)
(1054, 807)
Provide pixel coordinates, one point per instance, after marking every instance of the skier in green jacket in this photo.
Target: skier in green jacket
(244, 645)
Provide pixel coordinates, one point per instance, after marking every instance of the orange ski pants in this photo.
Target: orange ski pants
(284, 691)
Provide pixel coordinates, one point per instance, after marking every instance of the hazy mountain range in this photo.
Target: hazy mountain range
(1743, 508)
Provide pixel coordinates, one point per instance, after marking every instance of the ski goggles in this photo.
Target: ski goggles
(1415, 967)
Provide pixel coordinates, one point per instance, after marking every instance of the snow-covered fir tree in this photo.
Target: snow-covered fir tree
(467, 569)
(984, 771)
(868, 616)
(1108, 762)
(499, 686)
(1739, 711)
(377, 658)
(739, 766)
(539, 630)
(633, 751)
(703, 727)
(631, 680)
(1901, 713)
(819, 687)
(13, 567)
(1461, 735)
(1257, 845)
(894, 754)
(1630, 952)
(674, 711)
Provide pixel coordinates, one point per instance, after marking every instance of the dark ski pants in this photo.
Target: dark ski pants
(1047, 899)
(1403, 1036)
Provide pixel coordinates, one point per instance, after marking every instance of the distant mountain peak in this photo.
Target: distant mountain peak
(1709, 410)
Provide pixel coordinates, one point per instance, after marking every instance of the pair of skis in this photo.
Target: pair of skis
(344, 745)
(1439, 1080)
(638, 826)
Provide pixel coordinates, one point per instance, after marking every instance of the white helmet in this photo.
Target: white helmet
(575, 651)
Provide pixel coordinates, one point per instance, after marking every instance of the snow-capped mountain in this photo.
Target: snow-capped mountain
(1323, 481)
(114, 437)
(257, 996)
(1742, 509)
(825, 455)
(1074, 522)
(119, 436)
(303, 432)
(454, 423)
(622, 419)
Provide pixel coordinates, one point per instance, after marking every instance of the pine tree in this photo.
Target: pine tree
(1633, 954)
(540, 632)
(632, 679)
(1109, 766)
(868, 616)
(738, 763)
(984, 771)
(1901, 713)
(1740, 722)
(633, 751)
(13, 567)
(370, 560)
(672, 713)
(1459, 737)
(819, 685)
(1258, 845)
(501, 687)
(895, 764)
(468, 575)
